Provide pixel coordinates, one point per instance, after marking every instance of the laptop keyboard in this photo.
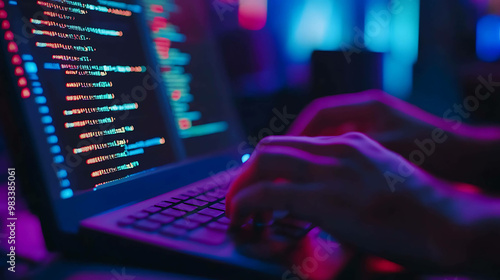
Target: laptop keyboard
(199, 217)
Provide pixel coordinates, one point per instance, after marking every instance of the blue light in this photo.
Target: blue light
(36, 84)
(245, 157)
(62, 174)
(377, 25)
(40, 100)
(46, 119)
(55, 149)
(13, 3)
(120, 5)
(43, 110)
(405, 30)
(27, 57)
(52, 66)
(50, 129)
(136, 152)
(58, 159)
(52, 139)
(398, 77)
(37, 90)
(67, 193)
(30, 68)
(33, 77)
(318, 26)
(488, 38)
(65, 183)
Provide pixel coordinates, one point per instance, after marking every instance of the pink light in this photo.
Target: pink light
(16, 60)
(3, 14)
(162, 47)
(5, 24)
(467, 188)
(185, 124)
(19, 71)
(25, 93)
(12, 47)
(252, 14)
(156, 9)
(158, 23)
(9, 36)
(380, 265)
(176, 95)
(22, 82)
(2, 4)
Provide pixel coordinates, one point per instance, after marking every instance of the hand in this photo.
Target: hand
(446, 148)
(342, 184)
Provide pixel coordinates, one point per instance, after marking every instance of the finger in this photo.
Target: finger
(336, 115)
(268, 196)
(281, 163)
(334, 146)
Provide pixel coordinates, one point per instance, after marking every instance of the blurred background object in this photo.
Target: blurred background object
(429, 53)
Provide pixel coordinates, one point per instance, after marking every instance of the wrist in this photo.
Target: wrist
(459, 227)
(480, 229)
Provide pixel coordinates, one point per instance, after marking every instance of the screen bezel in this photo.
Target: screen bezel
(61, 218)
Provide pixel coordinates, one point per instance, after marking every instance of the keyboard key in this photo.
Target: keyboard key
(206, 198)
(194, 192)
(216, 193)
(196, 202)
(186, 224)
(218, 226)
(173, 212)
(185, 207)
(139, 215)
(162, 219)
(126, 221)
(224, 220)
(199, 218)
(173, 231)
(147, 225)
(208, 236)
(182, 197)
(223, 201)
(172, 200)
(163, 204)
(218, 206)
(153, 209)
(211, 212)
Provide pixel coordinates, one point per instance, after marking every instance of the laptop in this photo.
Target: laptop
(126, 139)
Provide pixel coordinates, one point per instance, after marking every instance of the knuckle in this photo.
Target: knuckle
(312, 108)
(378, 95)
(319, 103)
(319, 106)
(354, 135)
(266, 142)
(377, 105)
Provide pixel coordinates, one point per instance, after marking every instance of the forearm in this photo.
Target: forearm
(477, 235)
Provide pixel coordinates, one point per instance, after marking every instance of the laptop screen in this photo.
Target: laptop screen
(113, 89)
